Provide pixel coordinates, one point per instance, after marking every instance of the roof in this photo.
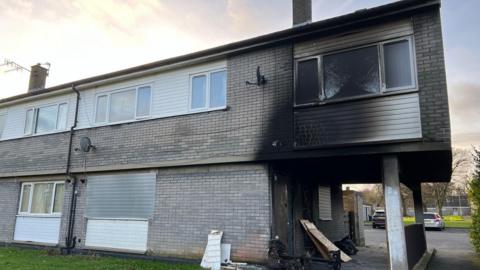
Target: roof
(363, 16)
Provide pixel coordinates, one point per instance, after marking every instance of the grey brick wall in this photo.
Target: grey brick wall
(256, 117)
(32, 154)
(9, 195)
(191, 201)
(431, 77)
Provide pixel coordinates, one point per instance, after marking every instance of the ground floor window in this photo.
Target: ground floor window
(42, 198)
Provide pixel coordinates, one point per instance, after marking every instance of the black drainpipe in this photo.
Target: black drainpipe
(70, 241)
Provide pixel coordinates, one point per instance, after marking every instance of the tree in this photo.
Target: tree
(436, 193)
(474, 196)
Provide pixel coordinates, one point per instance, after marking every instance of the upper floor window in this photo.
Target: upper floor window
(42, 198)
(3, 119)
(368, 70)
(208, 90)
(124, 105)
(46, 119)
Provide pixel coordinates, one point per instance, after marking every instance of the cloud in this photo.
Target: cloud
(464, 99)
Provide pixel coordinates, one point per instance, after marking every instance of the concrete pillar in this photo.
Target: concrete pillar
(417, 202)
(397, 248)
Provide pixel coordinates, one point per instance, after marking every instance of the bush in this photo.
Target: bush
(474, 196)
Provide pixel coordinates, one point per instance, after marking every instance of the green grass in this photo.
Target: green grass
(23, 259)
(466, 223)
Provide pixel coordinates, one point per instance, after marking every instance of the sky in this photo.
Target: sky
(84, 38)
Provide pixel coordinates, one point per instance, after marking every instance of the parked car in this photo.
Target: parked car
(433, 220)
(378, 219)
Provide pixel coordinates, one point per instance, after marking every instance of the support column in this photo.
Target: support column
(397, 248)
(417, 202)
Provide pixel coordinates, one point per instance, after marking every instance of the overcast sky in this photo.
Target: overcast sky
(86, 38)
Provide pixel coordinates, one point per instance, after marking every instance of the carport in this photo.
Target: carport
(298, 192)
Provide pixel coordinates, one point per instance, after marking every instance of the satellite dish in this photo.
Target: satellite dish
(86, 144)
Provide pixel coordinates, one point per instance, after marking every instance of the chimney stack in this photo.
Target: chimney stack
(38, 76)
(302, 12)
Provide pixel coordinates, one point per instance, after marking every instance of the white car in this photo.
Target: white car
(433, 220)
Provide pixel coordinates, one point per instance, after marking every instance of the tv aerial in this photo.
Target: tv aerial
(261, 80)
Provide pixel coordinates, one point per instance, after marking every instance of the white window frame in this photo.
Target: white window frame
(32, 186)
(109, 94)
(381, 70)
(35, 110)
(413, 66)
(207, 107)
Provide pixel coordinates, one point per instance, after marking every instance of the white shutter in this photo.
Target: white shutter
(37, 229)
(324, 203)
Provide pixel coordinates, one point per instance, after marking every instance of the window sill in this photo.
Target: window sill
(40, 216)
(353, 99)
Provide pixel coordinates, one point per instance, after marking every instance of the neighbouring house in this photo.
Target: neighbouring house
(150, 159)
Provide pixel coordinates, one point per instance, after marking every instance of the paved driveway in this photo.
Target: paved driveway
(454, 250)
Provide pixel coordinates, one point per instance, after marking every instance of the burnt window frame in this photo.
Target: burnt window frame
(383, 90)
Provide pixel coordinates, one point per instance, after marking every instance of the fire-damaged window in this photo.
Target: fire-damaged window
(324, 203)
(368, 70)
(308, 84)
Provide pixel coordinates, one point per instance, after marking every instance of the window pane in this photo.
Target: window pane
(122, 106)
(3, 118)
(352, 73)
(308, 88)
(29, 122)
(62, 116)
(42, 198)
(101, 115)
(46, 119)
(58, 201)
(199, 93)
(398, 71)
(143, 101)
(218, 89)
(25, 198)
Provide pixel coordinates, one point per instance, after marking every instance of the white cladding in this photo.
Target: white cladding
(37, 229)
(117, 234)
(170, 97)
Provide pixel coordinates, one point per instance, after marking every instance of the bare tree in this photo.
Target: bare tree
(436, 193)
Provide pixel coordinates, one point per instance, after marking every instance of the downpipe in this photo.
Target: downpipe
(71, 240)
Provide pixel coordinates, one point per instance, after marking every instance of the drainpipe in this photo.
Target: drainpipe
(70, 241)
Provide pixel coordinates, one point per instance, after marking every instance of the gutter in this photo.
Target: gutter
(70, 241)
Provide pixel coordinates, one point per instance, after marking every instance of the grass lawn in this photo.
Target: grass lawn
(22, 259)
(465, 223)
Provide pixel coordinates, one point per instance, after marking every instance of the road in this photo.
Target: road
(454, 250)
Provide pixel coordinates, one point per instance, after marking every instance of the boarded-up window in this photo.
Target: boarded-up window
(121, 196)
(308, 86)
(324, 203)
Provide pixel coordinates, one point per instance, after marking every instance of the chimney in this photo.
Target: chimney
(38, 76)
(302, 12)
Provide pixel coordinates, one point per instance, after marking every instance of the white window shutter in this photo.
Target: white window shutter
(324, 203)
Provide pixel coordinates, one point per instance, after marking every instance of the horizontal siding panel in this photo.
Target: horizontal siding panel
(37, 229)
(121, 196)
(117, 234)
(358, 37)
(371, 120)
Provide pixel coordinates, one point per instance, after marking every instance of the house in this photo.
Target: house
(185, 145)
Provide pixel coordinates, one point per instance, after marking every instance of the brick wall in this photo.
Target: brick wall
(431, 77)
(191, 201)
(9, 195)
(256, 116)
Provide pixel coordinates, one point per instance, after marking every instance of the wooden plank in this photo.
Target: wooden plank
(314, 233)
